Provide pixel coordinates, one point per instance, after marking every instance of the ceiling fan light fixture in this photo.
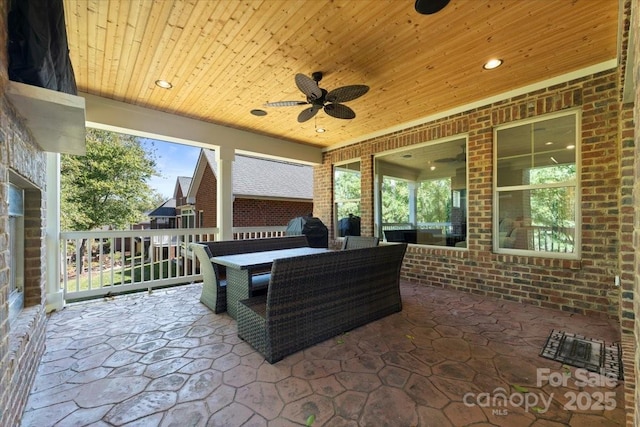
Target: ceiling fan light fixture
(163, 84)
(258, 112)
(492, 64)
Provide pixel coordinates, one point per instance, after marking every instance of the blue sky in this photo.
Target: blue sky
(172, 160)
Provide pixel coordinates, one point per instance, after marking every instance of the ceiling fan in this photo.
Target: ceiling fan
(461, 157)
(322, 99)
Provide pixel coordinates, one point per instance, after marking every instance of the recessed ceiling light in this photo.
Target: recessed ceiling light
(548, 143)
(163, 84)
(321, 130)
(432, 168)
(258, 112)
(492, 64)
(570, 147)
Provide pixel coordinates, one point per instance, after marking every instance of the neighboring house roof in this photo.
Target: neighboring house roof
(182, 183)
(261, 178)
(167, 209)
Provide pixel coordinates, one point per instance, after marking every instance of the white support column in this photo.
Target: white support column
(225, 157)
(55, 295)
(413, 203)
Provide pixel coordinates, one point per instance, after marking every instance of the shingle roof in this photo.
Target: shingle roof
(167, 209)
(184, 182)
(258, 177)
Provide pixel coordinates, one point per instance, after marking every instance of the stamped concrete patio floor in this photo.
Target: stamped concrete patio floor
(448, 359)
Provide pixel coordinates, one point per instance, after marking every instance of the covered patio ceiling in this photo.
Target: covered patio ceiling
(226, 58)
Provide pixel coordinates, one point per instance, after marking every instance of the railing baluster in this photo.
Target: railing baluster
(112, 244)
(175, 267)
(65, 273)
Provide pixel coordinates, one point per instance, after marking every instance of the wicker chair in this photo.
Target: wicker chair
(214, 290)
(315, 297)
(357, 242)
(214, 284)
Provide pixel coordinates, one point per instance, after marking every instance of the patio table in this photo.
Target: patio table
(242, 267)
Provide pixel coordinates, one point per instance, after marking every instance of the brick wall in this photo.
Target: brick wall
(633, 365)
(246, 212)
(583, 286)
(267, 213)
(206, 197)
(22, 342)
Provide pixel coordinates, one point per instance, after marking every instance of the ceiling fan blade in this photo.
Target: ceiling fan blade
(339, 111)
(308, 113)
(428, 7)
(460, 157)
(308, 86)
(285, 103)
(347, 93)
(446, 160)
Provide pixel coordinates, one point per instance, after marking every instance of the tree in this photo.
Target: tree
(108, 186)
(434, 200)
(395, 200)
(347, 193)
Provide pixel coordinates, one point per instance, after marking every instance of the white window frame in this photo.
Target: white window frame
(185, 215)
(576, 255)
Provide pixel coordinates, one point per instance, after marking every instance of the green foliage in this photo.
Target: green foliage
(108, 186)
(553, 207)
(395, 200)
(347, 193)
(434, 200)
(519, 388)
(347, 185)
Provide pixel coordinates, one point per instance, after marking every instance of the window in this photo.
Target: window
(421, 194)
(536, 188)
(188, 218)
(346, 199)
(16, 251)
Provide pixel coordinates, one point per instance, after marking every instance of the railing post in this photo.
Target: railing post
(54, 294)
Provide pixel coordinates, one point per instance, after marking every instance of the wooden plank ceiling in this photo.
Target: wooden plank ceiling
(227, 57)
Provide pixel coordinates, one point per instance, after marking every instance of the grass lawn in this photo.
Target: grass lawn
(135, 274)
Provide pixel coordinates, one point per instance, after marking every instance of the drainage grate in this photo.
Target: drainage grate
(591, 354)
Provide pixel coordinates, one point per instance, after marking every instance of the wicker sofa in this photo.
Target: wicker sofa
(315, 297)
(214, 284)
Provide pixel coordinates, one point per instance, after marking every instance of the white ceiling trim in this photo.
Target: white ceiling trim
(108, 114)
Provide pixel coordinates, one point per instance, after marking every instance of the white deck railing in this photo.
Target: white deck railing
(242, 233)
(100, 263)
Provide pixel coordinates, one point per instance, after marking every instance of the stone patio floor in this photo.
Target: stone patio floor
(448, 359)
